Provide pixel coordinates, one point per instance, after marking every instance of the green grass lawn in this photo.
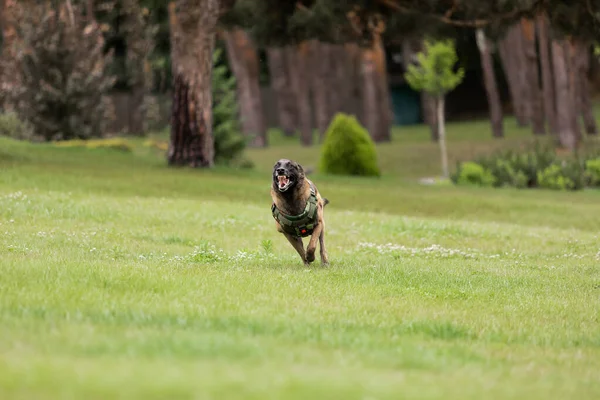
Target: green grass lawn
(121, 278)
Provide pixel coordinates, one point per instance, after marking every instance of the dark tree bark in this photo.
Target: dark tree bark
(243, 59)
(572, 70)
(584, 101)
(9, 79)
(301, 74)
(138, 47)
(193, 29)
(547, 76)
(386, 113)
(281, 84)
(491, 88)
(321, 84)
(352, 100)
(513, 63)
(532, 76)
(376, 101)
(564, 106)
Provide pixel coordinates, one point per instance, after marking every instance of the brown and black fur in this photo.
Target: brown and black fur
(293, 201)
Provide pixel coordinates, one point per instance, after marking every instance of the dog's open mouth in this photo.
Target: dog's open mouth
(283, 182)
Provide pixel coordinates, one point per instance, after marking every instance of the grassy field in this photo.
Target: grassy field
(120, 278)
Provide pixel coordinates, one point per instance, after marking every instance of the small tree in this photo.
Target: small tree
(434, 73)
(60, 62)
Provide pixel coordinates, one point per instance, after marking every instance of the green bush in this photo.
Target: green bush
(472, 173)
(592, 168)
(11, 126)
(554, 178)
(348, 149)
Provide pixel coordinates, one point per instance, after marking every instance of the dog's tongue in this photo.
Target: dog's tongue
(283, 180)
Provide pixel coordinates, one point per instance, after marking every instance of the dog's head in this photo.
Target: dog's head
(287, 174)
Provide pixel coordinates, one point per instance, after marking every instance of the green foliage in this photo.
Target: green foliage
(11, 126)
(348, 149)
(592, 168)
(61, 70)
(474, 174)
(537, 167)
(434, 72)
(553, 178)
(228, 139)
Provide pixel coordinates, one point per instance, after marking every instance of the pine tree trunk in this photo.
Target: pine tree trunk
(244, 63)
(512, 57)
(572, 71)
(353, 102)
(584, 101)
(442, 140)
(547, 76)
(567, 137)
(301, 75)
(9, 77)
(193, 32)
(532, 76)
(281, 83)
(89, 11)
(369, 92)
(138, 48)
(376, 102)
(321, 84)
(383, 92)
(491, 88)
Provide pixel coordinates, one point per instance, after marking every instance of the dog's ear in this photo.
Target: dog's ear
(300, 170)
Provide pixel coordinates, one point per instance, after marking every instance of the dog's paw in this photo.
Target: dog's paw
(310, 256)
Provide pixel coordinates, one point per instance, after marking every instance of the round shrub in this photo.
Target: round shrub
(472, 173)
(348, 149)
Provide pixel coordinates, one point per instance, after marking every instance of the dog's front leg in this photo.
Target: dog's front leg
(324, 256)
(312, 244)
(296, 242)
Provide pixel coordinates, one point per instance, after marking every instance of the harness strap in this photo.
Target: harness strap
(303, 224)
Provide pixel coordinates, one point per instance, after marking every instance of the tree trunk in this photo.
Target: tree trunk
(376, 102)
(572, 71)
(301, 75)
(547, 76)
(138, 48)
(532, 74)
(193, 32)
(244, 63)
(90, 11)
(584, 101)
(429, 107)
(353, 101)
(9, 78)
(442, 141)
(512, 57)
(567, 137)
(321, 84)
(491, 88)
(385, 102)
(280, 71)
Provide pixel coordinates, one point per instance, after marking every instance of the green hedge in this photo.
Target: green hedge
(536, 167)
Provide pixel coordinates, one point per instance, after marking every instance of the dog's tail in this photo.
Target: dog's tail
(325, 201)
